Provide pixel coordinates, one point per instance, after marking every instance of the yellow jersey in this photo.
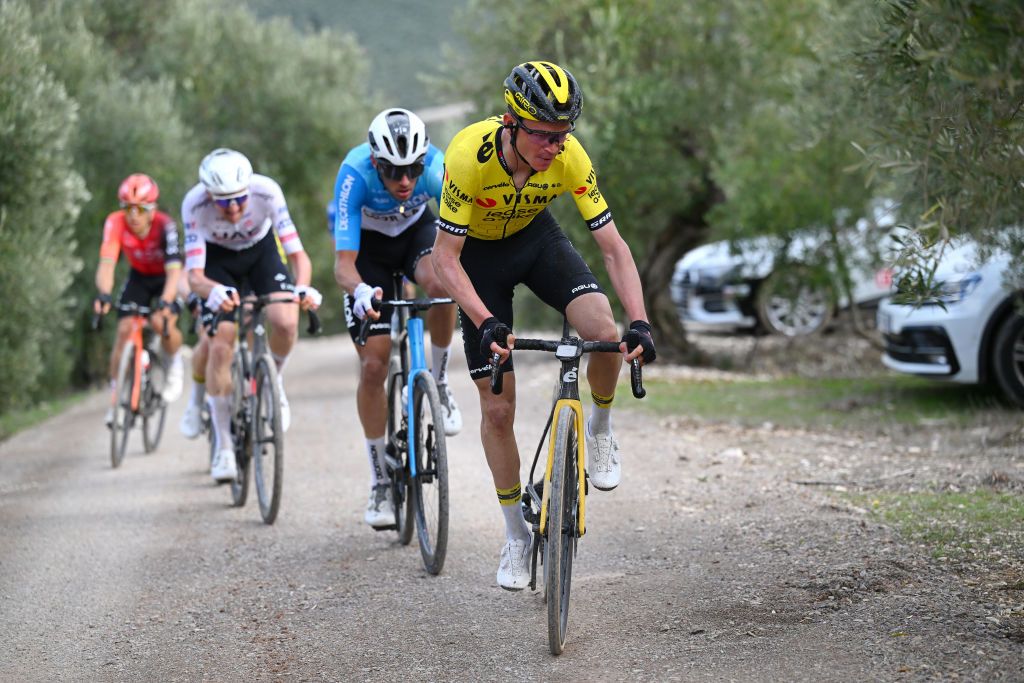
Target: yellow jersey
(478, 198)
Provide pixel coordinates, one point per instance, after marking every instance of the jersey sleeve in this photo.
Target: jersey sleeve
(195, 241)
(349, 195)
(287, 234)
(582, 180)
(461, 181)
(172, 248)
(110, 248)
(434, 174)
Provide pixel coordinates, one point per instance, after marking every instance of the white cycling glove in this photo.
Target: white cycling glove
(362, 298)
(311, 293)
(218, 295)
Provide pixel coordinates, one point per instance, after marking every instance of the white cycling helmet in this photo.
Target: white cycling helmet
(225, 172)
(398, 136)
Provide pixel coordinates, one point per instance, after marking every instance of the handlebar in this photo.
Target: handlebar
(134, 309)
(635, 371)
(412, 304)
(258, 302)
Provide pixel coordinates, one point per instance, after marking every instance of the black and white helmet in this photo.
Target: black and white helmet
(398, 136)
(225, 172)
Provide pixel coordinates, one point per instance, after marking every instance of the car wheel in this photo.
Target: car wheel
(794, 302)
(1008, 361)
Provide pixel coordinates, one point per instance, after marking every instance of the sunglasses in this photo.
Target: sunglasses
(226, 203)
(137, 208)
(546, 136)
(392, 172)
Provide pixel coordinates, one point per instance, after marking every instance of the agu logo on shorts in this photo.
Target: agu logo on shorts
(486, 202)
(580, 190)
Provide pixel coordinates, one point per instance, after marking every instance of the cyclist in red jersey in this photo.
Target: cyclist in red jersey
(149, 238)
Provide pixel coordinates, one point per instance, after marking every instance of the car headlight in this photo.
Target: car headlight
(955, 291)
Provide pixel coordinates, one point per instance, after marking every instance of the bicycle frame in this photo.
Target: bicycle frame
(138, 322)
(568, 396)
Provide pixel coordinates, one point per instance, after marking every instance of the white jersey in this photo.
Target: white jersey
(265, 210)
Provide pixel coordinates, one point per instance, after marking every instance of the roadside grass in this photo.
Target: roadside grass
(962, 526)
(17, 420)
(869, 402)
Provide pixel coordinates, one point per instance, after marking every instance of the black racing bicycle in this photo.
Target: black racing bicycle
(555, 506)
(256, 406)
(416, 454)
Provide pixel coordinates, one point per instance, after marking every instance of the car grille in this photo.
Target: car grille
(923, 345)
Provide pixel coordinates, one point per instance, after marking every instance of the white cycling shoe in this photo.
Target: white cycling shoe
(108, 419)
(175, 382)
(380, 513)
(192, 421)
(223, 468)
(514, 567)
(452, 414)
(286, 410)
(603, 460)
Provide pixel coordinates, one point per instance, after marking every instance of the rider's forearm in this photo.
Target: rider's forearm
(173, 271)
(345, 272)
(105, 276)
(301, 267)
(622, 271)
(456, 282)
(199, 283)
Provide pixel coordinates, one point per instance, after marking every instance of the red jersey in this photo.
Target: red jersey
(148, 253)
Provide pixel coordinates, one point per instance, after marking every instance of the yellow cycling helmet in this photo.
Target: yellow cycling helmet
(543, 91)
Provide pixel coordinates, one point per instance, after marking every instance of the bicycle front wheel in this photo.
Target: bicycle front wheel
(561, 528)
(241, 433)
(398, 450)
(267, 454)
(430, 485)
(123, 417)
(154, 409)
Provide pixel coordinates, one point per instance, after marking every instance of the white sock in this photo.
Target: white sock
(375, 454)
(220, 415)
(600, 420)
(516, 528)
(176, 359)
(198, 393)
(439, 362)
(113, 385)
(280, 361)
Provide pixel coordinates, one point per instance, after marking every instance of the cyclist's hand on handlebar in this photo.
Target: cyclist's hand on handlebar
(496, 337)
(638, 342)
(309, 297)
(223, 298)
(171, 307)
(362, 304)
(101, 304)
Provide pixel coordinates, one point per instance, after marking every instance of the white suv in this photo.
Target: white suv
(973, 334)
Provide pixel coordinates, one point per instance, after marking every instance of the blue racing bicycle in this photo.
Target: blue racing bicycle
(415, 452)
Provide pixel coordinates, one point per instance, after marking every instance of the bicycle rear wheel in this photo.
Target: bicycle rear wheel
(401, 493)
(430, 485)
(267, 454)
(154, 409)
(561, 528)
(123, 417)
(241, 434)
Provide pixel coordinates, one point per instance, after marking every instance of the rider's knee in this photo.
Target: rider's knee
(498, 415)
(374, 370)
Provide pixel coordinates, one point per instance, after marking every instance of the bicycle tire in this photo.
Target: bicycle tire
(154, 408)
(267, 439)
(401, 493)
(122, 423)
(239, 433)
(430, 485)
(561, 529)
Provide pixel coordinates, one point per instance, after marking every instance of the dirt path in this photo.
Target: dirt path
(708, 563)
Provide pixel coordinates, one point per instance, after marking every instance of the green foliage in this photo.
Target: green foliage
(40, 194)
(941, 82)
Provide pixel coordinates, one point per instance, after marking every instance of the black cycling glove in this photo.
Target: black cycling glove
(492, 330)
(194, 302)
(175, 306)
(639, 334)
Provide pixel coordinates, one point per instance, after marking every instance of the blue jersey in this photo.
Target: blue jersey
(363, 203)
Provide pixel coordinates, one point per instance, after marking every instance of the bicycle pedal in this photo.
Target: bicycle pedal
(389, 527)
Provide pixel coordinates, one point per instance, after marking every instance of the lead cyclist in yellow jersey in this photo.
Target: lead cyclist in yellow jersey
(496, 232)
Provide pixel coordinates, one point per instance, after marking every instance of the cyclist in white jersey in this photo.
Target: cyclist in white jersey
(236, 225)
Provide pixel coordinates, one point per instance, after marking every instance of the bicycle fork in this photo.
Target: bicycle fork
(577, 409)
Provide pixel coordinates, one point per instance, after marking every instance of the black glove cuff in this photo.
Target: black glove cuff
(104, 298)
(640, 326)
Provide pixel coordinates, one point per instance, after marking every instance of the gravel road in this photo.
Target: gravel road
(708, 563)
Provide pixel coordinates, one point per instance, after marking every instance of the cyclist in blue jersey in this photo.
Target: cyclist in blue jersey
(382, 225)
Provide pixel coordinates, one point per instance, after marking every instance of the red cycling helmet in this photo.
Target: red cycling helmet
(138, 188)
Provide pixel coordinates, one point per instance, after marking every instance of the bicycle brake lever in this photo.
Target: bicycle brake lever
(314, 323)
(636, 379)
(497, 382)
